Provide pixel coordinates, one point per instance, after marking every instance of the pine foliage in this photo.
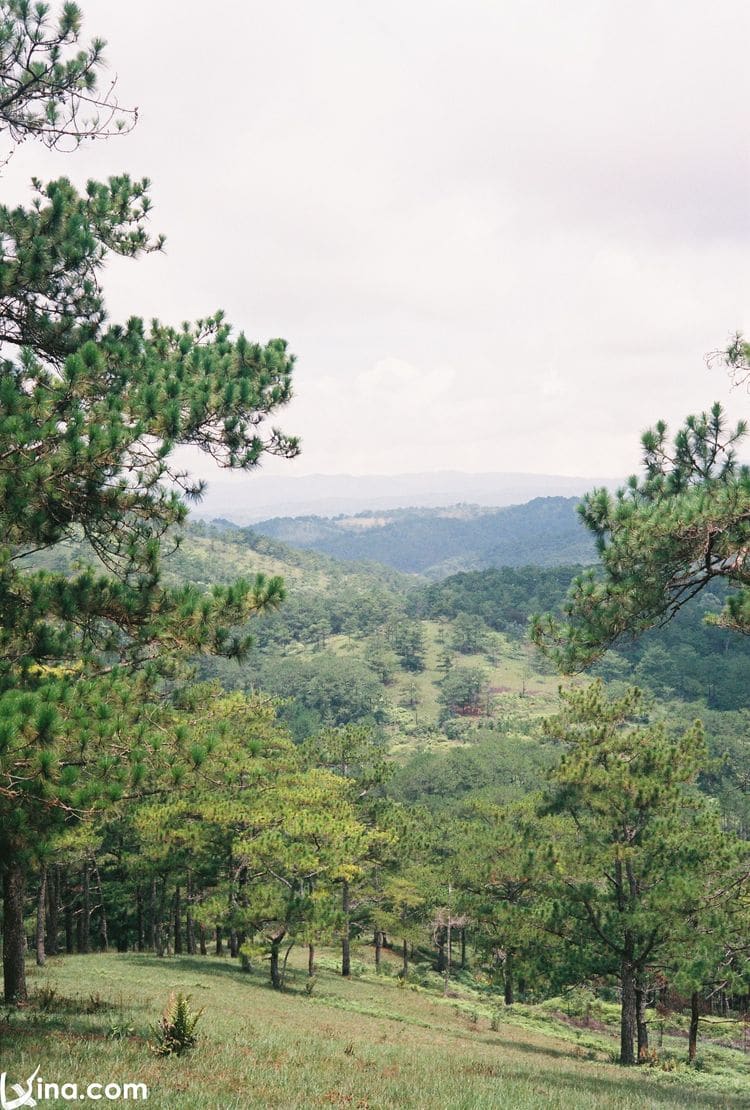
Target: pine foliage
(661, 540)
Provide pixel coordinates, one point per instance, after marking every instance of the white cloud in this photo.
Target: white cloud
(498, 235)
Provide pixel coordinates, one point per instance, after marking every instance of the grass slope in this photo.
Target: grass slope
(210, 555)
(360, 1043)
(521, 692)
(207, 556)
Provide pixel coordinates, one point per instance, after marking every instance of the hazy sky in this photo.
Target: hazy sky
(498, 235)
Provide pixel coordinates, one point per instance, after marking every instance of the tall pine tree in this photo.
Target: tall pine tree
(90, 415)
(637, 851)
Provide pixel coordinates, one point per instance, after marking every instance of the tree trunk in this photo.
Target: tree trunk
(449, 946)
(14, 938)
(694, 1019)
(41, 913)
(152, 915)
(160, 946)
(202, 940)
(219, 945)
(508, 978)
(192, 946)
(378, 948)
(69, 946)
(85, 917)
(189, 923)
(284, 963)
(310, 960)
(103, 931)
(628, 1016)
(234, 948)
(442, 956)
(405, 958)
(53, 911)
(642, 1024)
(275, 974)
(79, 916)
(463, 949)
(141, 936)
(177, 922)
(346, 959)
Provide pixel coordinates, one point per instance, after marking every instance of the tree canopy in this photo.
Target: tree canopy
(49, 84)
(90, 415)
(661, 539)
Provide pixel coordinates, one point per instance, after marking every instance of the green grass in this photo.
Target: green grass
(362, 1043)
(523, 691)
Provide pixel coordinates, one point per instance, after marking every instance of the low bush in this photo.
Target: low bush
(175, 1031)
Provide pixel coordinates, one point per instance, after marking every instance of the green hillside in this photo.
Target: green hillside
(437, 542)
(363, 645)
(418, 808)
(362, 1042)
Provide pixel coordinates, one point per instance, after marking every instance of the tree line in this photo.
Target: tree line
(617, 872)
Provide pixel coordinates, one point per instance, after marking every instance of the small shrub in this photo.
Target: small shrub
(175, 1031)
(251, 954)
(310, 984)
(45, 998)
(579, 1002)
(119, 1030)
(48, 1000)
(495, 1021)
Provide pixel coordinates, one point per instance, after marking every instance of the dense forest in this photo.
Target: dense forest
(419, 731)
(489, 759)
(436, 542)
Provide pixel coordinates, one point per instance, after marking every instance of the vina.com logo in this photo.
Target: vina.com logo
(13, 1096)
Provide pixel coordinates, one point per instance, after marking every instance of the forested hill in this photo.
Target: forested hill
(439, 542)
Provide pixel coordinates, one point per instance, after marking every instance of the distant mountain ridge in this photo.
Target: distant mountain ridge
(244, 499)
(545, 531)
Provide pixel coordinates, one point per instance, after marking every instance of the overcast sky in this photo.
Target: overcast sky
(498, 235)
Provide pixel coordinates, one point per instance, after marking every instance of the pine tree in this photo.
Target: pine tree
(357, 757)
(90, 415)
(498, 872)
(463, 690)
(637, 851)
(661, 540)
(406, 637)
(468, 634)
(49, 90)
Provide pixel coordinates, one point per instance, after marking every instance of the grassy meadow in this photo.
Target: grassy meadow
(521, 692)
(364, 1042)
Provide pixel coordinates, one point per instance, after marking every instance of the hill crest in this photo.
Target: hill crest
(436, 542)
